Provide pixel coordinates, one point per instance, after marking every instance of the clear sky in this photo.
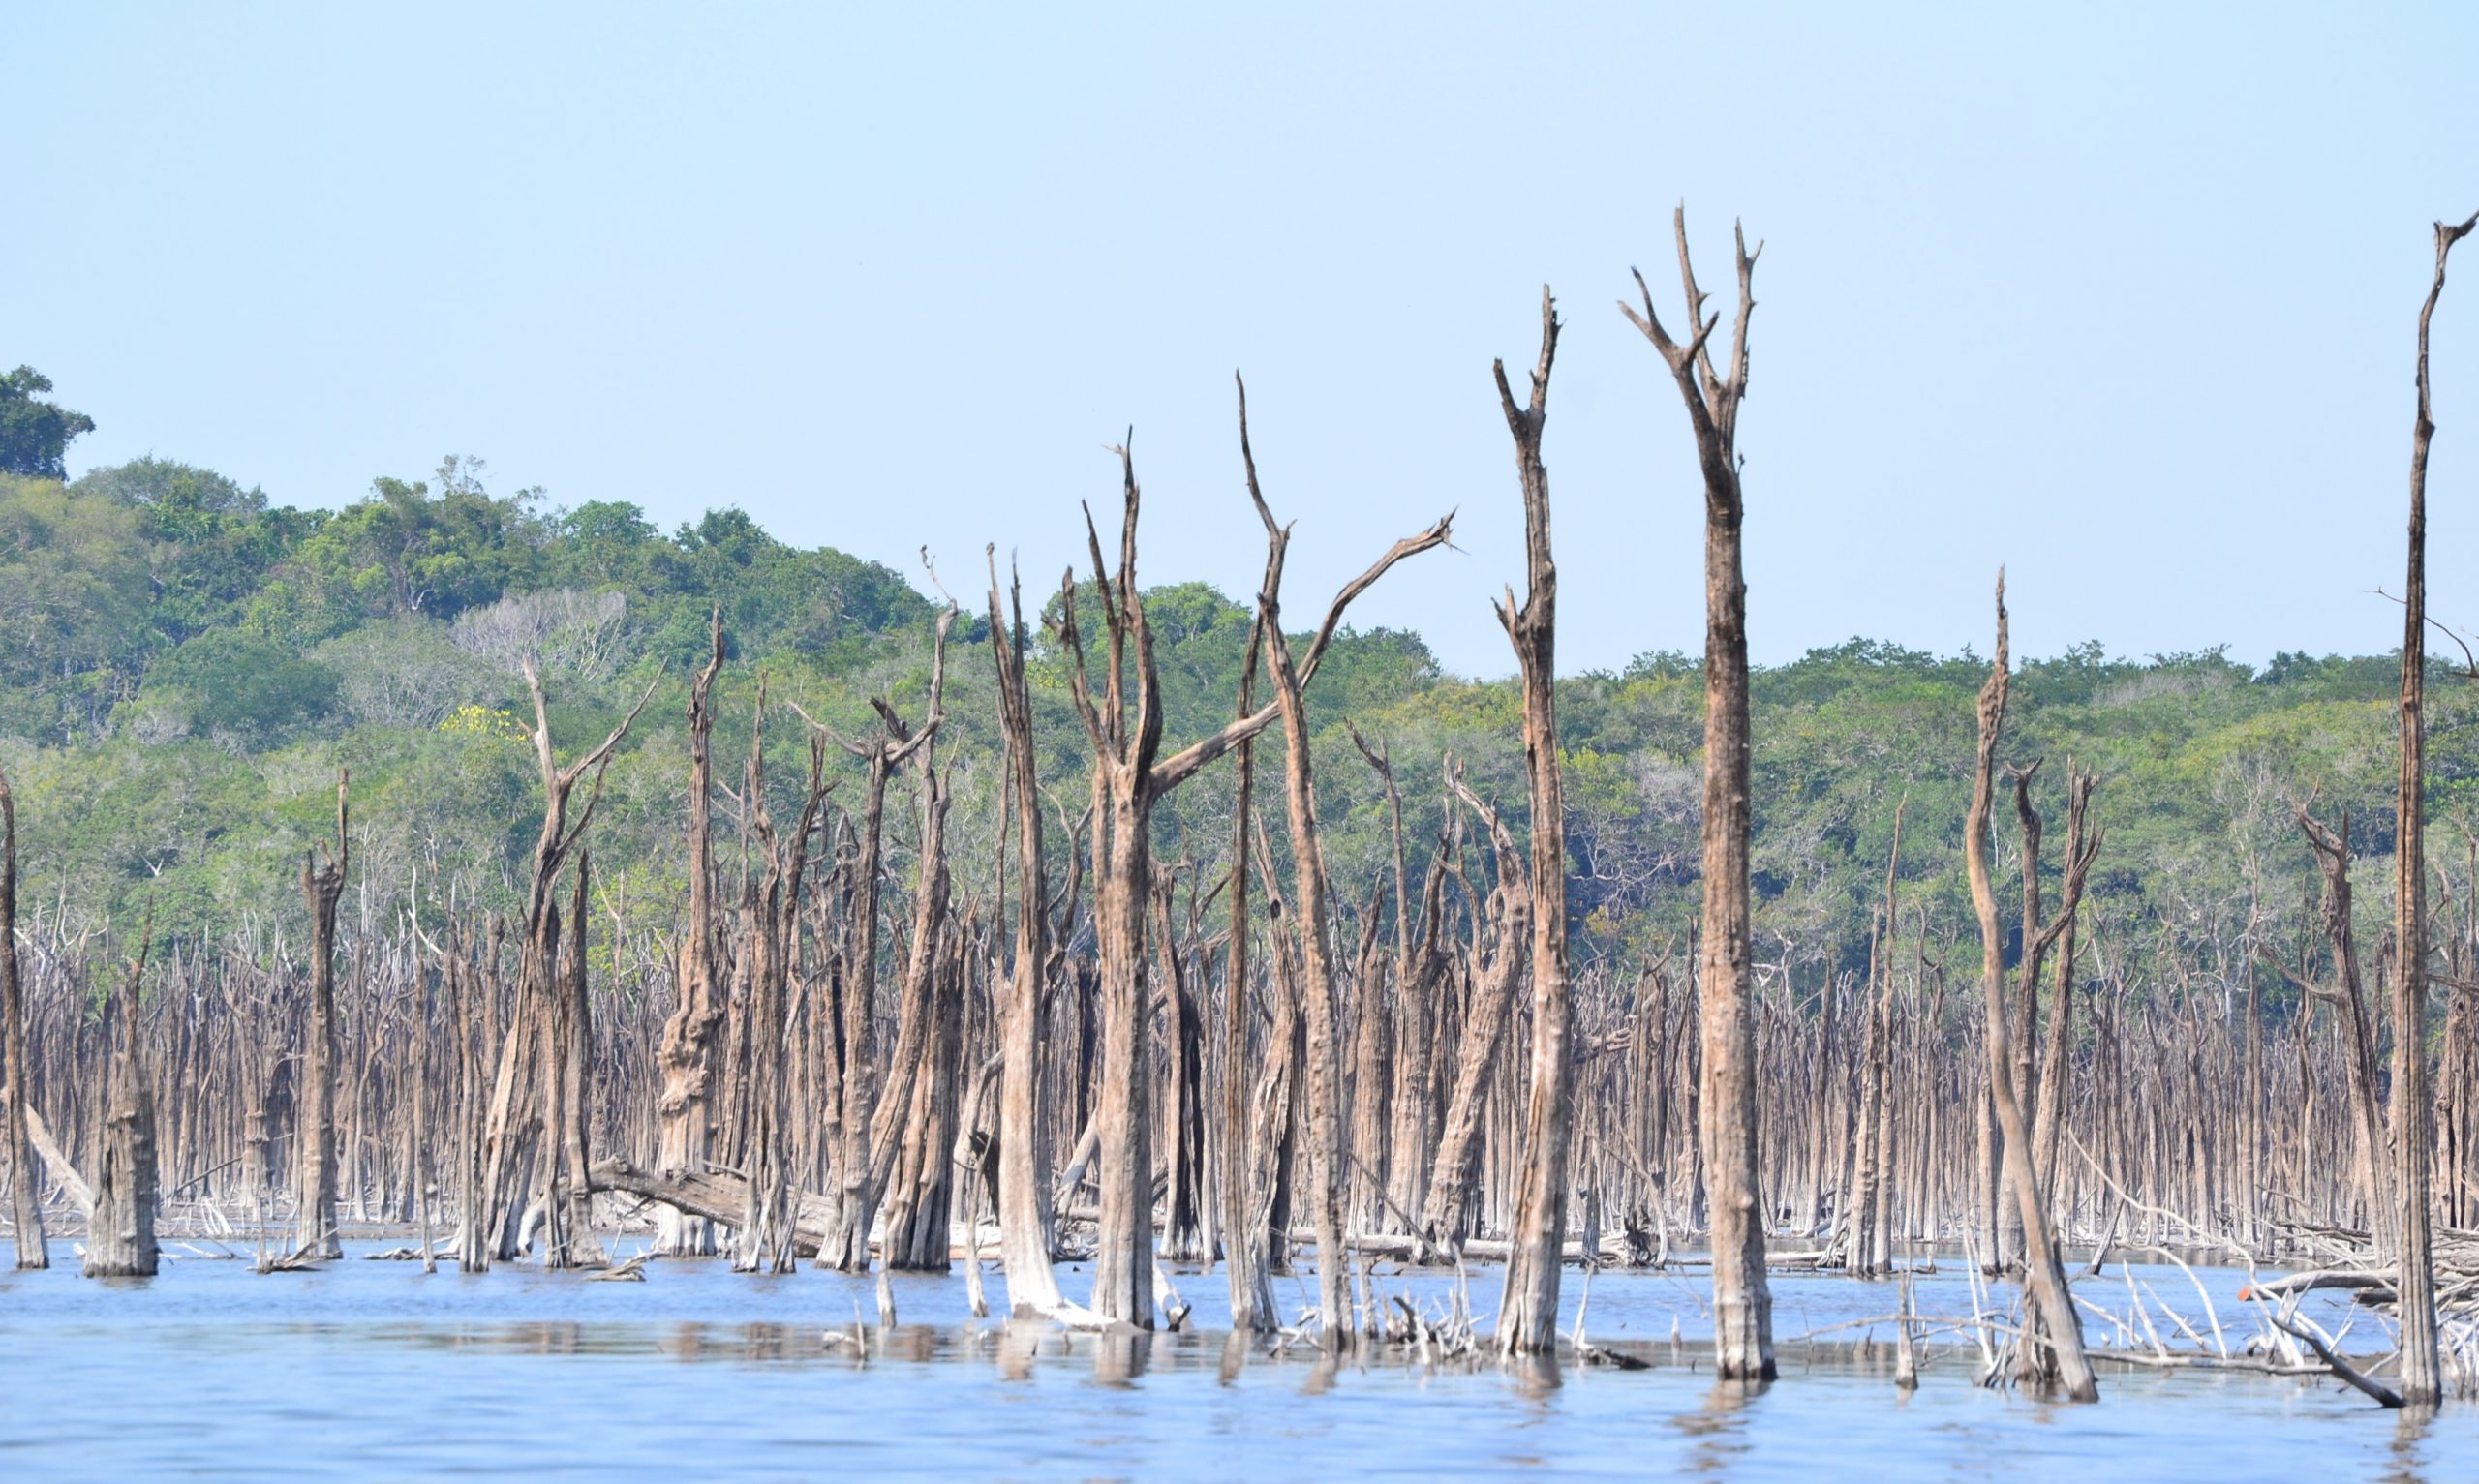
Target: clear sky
(2124, 299)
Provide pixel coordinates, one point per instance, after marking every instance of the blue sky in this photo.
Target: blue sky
(2121, 298)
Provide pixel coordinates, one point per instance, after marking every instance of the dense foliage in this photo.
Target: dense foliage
(193, 664)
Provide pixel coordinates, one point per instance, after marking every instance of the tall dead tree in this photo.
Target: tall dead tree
(25, 1198)
(1248, 1260)
(569, 1082)
(2055, 1325)
(1123, 727)
(1313, 918)
(867, 1143)
(321, 886)
(2421, 1380)
(1742, 1303)
(1024, 1150)
(913, 1065)
(1528, 1317)
(1871, 1242)
(766, 1234)
(684, 1110)
(512, 1132)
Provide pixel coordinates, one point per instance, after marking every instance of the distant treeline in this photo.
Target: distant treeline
(189, 664)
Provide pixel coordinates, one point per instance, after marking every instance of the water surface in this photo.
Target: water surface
(370, 1368)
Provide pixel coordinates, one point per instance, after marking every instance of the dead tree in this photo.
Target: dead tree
(1528, 1317)
(1419, 1021)
(25, 1198)
(1501, 939)
(1870, 1242)
(1124, 731)
(2421, 1381)
(1394, 1037)
(1742, 1303)
(684, 1111)
(120, 1229)
(2348, 998)
(569, 1051)
(1024, 1150)
(2056, 1326)
(1247, 1232)
(866, 1150)
(1123, 727)
(765, 1234)
(913, 1068)
(2083, 838)
(493, 1228)
(315, 1140)
(1312, 896)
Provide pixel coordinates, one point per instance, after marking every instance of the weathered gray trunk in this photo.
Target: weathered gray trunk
(1528, 1317)
(16, 1093)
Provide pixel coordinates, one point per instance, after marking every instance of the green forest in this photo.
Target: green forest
(193, 663)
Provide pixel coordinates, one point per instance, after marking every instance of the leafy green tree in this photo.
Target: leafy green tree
(34, 435)
(243, 686)
(72, 600)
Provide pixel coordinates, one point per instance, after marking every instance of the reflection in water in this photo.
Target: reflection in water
(1719, 1427)
(1236, 1346)
(1120, 1354)
(766, 1380)
(1536, 1376)
(1020, 1343)
(2409, 1430)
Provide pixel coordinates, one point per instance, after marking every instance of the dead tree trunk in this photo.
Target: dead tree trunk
(1183, 1088)
(2056, 1324)
(1124, 726)
(2421, 1380)
(25, 1195)
(765, 1235)
(1372, 1074)
(2333, 858)
(1417, 1027)
(1742, 1303)
(1311, 894)
(1398, 1137)
(120, 1231)
(1126, 733)
(315, 1142)
(914, 1063)
(683, 1110)
(1865, 1198)
(2082, 847)
(1528, 1317)
(1500, 938)
(513, 1136)
(1247, 1260)
(571, 1242)
(1024, 1150)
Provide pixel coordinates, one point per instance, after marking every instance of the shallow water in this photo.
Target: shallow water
(373, 1370)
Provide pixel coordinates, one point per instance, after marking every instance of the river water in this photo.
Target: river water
(373, 1370)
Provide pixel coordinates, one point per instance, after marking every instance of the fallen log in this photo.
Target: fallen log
(720, 1197)
(63, 1174)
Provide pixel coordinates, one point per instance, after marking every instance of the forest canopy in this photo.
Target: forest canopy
(193, 662)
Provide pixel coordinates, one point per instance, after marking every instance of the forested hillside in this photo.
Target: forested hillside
(191, 664)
